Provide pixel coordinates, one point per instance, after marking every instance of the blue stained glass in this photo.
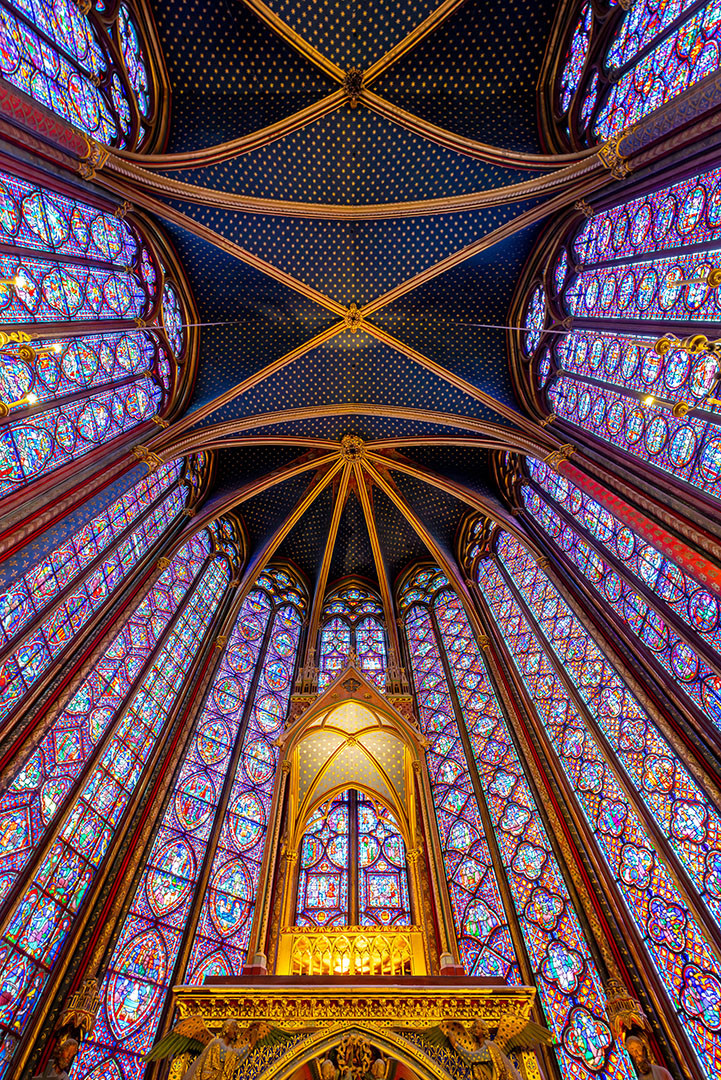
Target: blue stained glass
(132, 997)
(221, 939)
(323, 867)
(352, 623)
(568, 981)
(57, 54)
(575, 57)
(676, 943)
(47, 907)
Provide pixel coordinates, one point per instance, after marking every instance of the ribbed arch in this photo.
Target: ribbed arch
(65, 809)
(482, 796)
(618, 64)
(655, 828)
(100, 70)
(638, 282)
(352, 624)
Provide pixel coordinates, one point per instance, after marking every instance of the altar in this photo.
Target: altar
(334, 1028)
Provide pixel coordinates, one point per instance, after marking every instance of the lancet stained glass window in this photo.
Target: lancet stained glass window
(90, 70)
(123, 709)
(481, 922)
(544, 640)
(133, 993)
(352, 866)
(569, 984)
(45, 610)
(659, 49)
(68, 261)
(633, 386)
(352, 623)
(621, 567)
(223, 930)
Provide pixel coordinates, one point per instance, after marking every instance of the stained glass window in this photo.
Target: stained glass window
(67, 260)
(641, 836)
(223, 931)
(569, 984)
(624, 569)
(480, 919)
(352, 866)
(323, 898)
(45, 610)
(383, 898)
(352, 625)
(658, 49)
(651, 260)
(133, 993)
(91, 71)
(89, 766)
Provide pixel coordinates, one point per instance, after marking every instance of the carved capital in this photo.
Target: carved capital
(548, 419)
(123, 209)
(94, 159)
(610, 157)
(163, 563)
(563, 453)
(142, 453)
(221, 641)
(159, 421)
(585, 208)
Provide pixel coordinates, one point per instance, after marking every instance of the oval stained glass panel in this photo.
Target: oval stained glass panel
(232, 898)
(170, 880)
(137, 983)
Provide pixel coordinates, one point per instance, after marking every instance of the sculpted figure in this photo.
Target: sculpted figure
(219, 1058)
(59, 1066)
(488, 1057)
(638, 1052)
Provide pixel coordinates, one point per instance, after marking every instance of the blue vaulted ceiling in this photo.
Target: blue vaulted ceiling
(230, 74)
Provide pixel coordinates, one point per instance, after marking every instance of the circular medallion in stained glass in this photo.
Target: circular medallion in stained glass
(711, 695)
(259, 761)
(213, 742)
(703, 610)
(584, 405)
(691, 210)
(608, 291)
(231, 897)
(171, 878)
(682, 446)
(641, 224)
(277, 675)
(268, 713)
(704, 375)
(368, 849)
(684, 661)
(283, 643)
(195, 800)
(620, 230)
(635, 425)
(651, 367)
(615, 418)
(241, 657)
(247, 820)
(664, 216)
(599, 411)
(647, 288)
(677, 369)
(625, 542)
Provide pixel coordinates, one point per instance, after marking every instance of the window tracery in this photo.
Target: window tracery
(622, 567)
(69, 386)
(352, 866)
(43, 611)
(88, 766)
(646, 273)
(94, 69)
(569, 984)
(133, 995)
(654, 52)
(352, 624)
(223, 930)
(623, 775)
